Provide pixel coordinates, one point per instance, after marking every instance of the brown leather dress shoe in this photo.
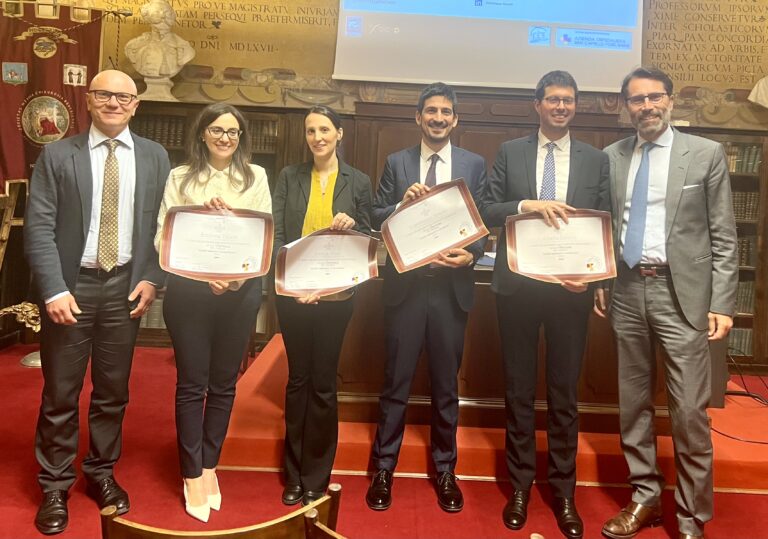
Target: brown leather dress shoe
(568, 519)
(379, 495)
(449, 496)
(631, 520)
(516, 511)
(107, 492)
(52, 515)
(689, 536)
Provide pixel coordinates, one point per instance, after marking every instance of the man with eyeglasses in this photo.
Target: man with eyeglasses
(88, 233)
(675, 240)
(550, 173)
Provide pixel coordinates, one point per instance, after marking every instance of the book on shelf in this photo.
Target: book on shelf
(740, 342)
(746, 205)
(747, 246)
(743, 158)
(745, 297)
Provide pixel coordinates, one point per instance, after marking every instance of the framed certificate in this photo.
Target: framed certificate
(215, 245)
(325, 262)
(420, 229)
(581, 250)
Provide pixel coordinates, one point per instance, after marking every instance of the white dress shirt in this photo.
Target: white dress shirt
(562, 155)
(126, 162)
(443, 167)
(655, 238)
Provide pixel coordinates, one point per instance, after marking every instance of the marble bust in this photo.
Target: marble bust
(158, 54)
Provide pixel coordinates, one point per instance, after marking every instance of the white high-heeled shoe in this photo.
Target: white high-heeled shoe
(200, 512)
(214, 500)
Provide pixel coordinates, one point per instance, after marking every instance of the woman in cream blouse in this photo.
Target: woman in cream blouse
(210, 323)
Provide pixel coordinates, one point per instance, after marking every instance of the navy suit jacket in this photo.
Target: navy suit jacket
(513, 179)
(59, 212)
(400, 172)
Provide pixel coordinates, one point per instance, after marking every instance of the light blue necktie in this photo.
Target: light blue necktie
(548, 186)
(633, 240)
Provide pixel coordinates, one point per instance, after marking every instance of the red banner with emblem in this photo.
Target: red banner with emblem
(49, 54)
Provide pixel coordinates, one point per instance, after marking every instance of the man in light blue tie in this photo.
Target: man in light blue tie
(551, 173)
(675, 237)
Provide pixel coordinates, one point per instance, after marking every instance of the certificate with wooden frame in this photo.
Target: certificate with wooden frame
(579, 251)
(216, 245)
(419, 230)
(325, 262)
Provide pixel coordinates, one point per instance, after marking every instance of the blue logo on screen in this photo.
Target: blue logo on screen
(354, 26)
(479, 3)
(539, 35)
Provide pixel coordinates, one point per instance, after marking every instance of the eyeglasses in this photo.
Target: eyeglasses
(218, 132)
(103, 96)
(654, 99)
(555, 101)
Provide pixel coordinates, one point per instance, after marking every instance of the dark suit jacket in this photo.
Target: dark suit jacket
(400, 172)
(513, 179)
(59, 212)
(701, 232)
(351, 195)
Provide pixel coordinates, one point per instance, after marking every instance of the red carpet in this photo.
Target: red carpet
(149, 471)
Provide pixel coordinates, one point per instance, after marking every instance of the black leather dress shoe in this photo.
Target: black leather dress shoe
(52, 516)
(568, 519)
(516, 511)
(107, 492)
(379, 495)
(449, 496)
(311, 496)
(292, 494)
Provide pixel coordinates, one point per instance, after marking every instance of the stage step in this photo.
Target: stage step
(255, 439)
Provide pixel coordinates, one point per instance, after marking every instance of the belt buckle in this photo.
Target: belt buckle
(647, 272)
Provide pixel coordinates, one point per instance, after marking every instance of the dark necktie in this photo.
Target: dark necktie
(110, 196)
(548, 185)
(638, 209)
(431, 179)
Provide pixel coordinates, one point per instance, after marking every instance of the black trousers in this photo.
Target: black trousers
(313, 336)
(105, 333)
(210, 335)
(429, 316)
(564, 316)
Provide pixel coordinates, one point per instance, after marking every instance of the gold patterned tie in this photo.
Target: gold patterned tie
(107, 253)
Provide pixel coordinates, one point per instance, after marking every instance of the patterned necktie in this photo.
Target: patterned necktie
(638, 209)
(431, 179)
(110, 195)
(548, 186)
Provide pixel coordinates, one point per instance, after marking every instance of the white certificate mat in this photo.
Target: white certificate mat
(419, 230)
(208, 245)
(581, 250)
(325, 262)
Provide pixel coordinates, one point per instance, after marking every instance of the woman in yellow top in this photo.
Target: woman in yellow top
(325, 192)
(210, 323)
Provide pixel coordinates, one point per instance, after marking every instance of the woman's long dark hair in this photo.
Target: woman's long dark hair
(197, 151)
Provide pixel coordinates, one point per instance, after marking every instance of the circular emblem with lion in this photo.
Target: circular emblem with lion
(44, 119)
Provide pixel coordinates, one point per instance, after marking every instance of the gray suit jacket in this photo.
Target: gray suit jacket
(400, 172)
(701, 231)
(513, 179)
(59, 212)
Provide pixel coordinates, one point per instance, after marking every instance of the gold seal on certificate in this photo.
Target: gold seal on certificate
(419, 230)
(215, 245)
(580, 251)
(325, 262)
